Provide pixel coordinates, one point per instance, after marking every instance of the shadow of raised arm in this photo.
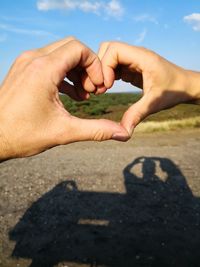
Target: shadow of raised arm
(154, 223)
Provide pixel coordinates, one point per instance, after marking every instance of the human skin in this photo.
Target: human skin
(164, 84)
(32, 117)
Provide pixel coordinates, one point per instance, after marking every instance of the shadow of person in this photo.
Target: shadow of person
(154, 223)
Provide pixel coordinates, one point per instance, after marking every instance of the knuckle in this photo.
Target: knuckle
(99, 136)
(113, 43)
(87, 55)
(113, 47)
(149, 52)
(26, 55)
(70, 38)
(104, 45)
(77, 43)
(78, 46)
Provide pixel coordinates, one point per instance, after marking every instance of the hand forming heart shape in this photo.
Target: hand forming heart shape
(33, 118)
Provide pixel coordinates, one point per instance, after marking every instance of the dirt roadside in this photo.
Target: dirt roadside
(104, 204)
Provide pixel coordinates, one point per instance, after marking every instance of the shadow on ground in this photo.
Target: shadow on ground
(155, 223)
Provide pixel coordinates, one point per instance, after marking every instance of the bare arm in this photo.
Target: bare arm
(164, 84)
(32, 118)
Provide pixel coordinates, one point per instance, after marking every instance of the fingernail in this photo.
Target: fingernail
(100, 89)
(120, 137)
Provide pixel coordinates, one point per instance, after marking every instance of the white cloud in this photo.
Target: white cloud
(87, 6)
(11, 28)
(193, 19)
(114, 8)
(3, 38)
(56, 4)
(141, 37)
(145, 18)
(111, 8)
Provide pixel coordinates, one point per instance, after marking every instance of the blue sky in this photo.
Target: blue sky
(171, 28)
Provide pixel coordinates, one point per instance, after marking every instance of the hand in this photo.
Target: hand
(164, 84)
(33, 118)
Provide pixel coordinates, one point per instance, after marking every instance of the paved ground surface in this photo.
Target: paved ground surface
(104, 204)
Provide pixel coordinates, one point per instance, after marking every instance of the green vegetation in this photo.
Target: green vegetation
(112, 106)
(107, 105)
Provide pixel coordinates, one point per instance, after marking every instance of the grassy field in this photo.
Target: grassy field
(113, 106)
(110, 106)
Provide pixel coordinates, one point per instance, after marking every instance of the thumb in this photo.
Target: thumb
(76, 129)
(136, 113)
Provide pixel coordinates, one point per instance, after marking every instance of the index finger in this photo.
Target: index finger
(72, 54)
(114, 54)
(52, 46)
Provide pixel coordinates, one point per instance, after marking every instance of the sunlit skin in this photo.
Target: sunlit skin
(164, 84)
(32, 117)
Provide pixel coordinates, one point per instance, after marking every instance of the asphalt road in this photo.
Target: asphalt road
(104, 204)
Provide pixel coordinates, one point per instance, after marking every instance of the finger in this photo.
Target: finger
(135, 78)
(84, 95)
(121, 54)
(69, 90)
(53, 46)
(83, 81)
(136, 113)
(77, 129)
(87, 84)
(27, 56)
(35, 53)
(102, 49)
(72, 54)
(75, 77)
(102, 89)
